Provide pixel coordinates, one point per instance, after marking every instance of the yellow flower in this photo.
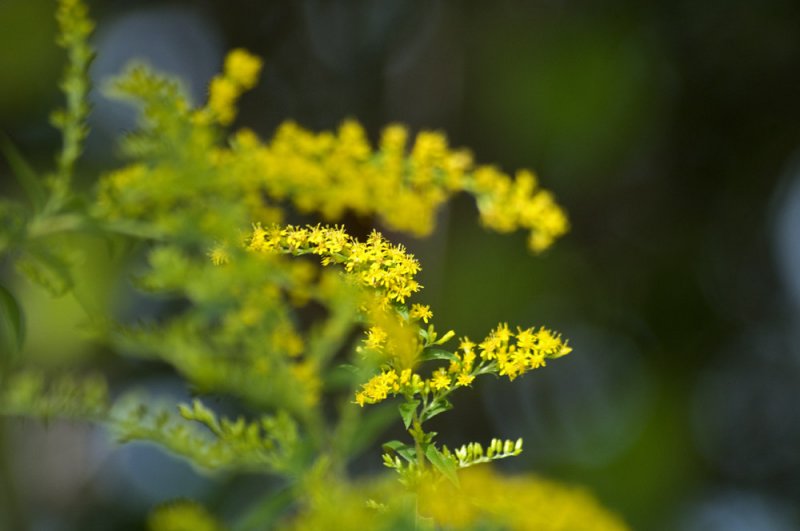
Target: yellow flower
(242, 67)
(219, 255)
(536, 361)
(464, 379)
(378, 388)
(465, 345)
(376, 338)
(440, 380)
(547, 341)
(526, 339)
(503, 333)
(222, 94)
(374, 263)
(420, 311)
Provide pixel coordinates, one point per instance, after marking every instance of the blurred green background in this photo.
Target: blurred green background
(668, 130)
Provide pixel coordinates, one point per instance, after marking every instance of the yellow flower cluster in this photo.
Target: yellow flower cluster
(375, 263)
(332, 173)
(502, 352)
(388, 383)
(402, 180)
(485, 497)
(376, 338)
(507, 204)
(241, 73)
(182, 514)
(528, 351)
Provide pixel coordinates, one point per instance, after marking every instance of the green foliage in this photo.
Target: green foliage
(31, 393)
(74, 30)
(265, 314)
(12, 328)
(268, 445)
(182, 515)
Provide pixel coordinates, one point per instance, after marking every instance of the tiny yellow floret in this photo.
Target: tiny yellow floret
(440, 380)
(243, 67)
(420, 311)
(219, 256)
(222, 94)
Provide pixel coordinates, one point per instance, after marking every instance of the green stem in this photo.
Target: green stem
(418, 434)
(47, 225)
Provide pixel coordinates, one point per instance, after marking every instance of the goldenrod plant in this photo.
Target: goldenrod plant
(311, 332)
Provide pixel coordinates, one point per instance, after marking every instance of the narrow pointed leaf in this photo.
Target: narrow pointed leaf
(402, 449)
(438, 354)
(442, 463)
(407, 410)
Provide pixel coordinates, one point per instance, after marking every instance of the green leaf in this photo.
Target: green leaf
(437, 406)
(443, 464)
(23, 172)
(402, 449)
(402, 309)
(48, 269)
(12, 329)
(407, 410)
(438, 354)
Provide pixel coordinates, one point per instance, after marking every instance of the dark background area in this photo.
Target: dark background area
(669, 131)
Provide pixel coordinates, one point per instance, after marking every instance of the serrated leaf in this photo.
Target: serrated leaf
(12, 329)
(442, 463)
(438, 354)
(407, 410)
(402, 449)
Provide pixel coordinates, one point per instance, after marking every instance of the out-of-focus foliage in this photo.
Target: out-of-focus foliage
(259, 324)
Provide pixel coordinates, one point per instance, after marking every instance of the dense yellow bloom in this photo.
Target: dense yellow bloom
(404, 184)
(222, 96)
(242, 67)
(486, 500)
(508, 204)
(376, 338)
(241, 73)
(375, 263)
(378, 388)
(241, 334)
(502, 352)
(388, 383)
(528, 351)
